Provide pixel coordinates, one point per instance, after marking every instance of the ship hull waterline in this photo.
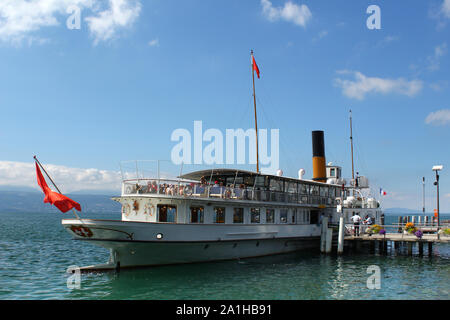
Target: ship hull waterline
(134, 245)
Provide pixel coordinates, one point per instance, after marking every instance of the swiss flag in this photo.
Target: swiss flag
(60, 201)
(255, 66)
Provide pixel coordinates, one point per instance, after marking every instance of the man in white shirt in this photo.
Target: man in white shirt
(356, 220)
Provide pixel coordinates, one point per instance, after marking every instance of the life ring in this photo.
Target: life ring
(187, 191)
(81, 231)
(126, 209)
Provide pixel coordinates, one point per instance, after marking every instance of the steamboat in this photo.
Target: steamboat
(225, 214)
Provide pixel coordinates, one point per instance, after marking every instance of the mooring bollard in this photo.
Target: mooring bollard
(341, 234)
(323, 234)
(329, 240)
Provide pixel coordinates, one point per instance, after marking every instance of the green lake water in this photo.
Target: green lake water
(35, 252)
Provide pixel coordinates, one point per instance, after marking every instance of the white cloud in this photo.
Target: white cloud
(434, 60)
(120, 14)
(387, 40)
(154, 43)
(21, 20)
(362, 85)
(23, 174)
(446, 8)
(439, 118)
(291, 12)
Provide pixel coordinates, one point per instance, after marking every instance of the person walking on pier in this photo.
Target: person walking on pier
(356, 220)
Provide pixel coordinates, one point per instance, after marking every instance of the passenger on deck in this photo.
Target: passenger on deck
(169, 190)
(154, 188)
(356, 221)
(227, 193)
(138, 188)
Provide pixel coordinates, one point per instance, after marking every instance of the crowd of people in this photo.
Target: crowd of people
(217, 188)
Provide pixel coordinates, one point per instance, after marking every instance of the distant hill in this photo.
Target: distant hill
(406, 211)
(26, 201)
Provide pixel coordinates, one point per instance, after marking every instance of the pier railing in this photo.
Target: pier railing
(396, 228)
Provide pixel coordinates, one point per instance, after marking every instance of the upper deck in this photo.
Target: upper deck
(233, 184)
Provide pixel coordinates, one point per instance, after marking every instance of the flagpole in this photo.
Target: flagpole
(40, 165)
(256, 119)
(351, 142)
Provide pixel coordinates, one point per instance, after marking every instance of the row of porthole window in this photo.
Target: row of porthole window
(168, 213)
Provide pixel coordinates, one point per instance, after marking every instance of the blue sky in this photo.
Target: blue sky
(137, 70)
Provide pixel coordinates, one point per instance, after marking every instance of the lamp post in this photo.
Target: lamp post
(423, 195)
(436, 183)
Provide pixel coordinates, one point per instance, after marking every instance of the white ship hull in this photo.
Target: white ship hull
(134, 244)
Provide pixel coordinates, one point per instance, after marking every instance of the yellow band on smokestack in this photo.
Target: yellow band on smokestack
(319, 169)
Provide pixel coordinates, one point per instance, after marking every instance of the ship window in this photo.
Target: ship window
(283, 215)
(294, 215)
(276, 185)
(238, 215)
(231, 180)
(197, 214)
(238, 181)
(314, 190)
(291, 187)
(270, 216)
(323, 191)
(261, 181)
(249, 181)
(331, 192)
(332, 172)
(219, 215)
(304, 189)
(314, 217)
(167, 213)
(255, 215)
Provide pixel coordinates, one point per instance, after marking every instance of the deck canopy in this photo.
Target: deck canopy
(238, 177)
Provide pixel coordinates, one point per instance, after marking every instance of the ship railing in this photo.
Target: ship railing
(194, 189)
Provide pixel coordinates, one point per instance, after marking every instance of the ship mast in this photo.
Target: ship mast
(256, 119)
(351, 143)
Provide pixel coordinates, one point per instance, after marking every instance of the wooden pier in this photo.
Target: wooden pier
(394, 236)
(397, 240)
